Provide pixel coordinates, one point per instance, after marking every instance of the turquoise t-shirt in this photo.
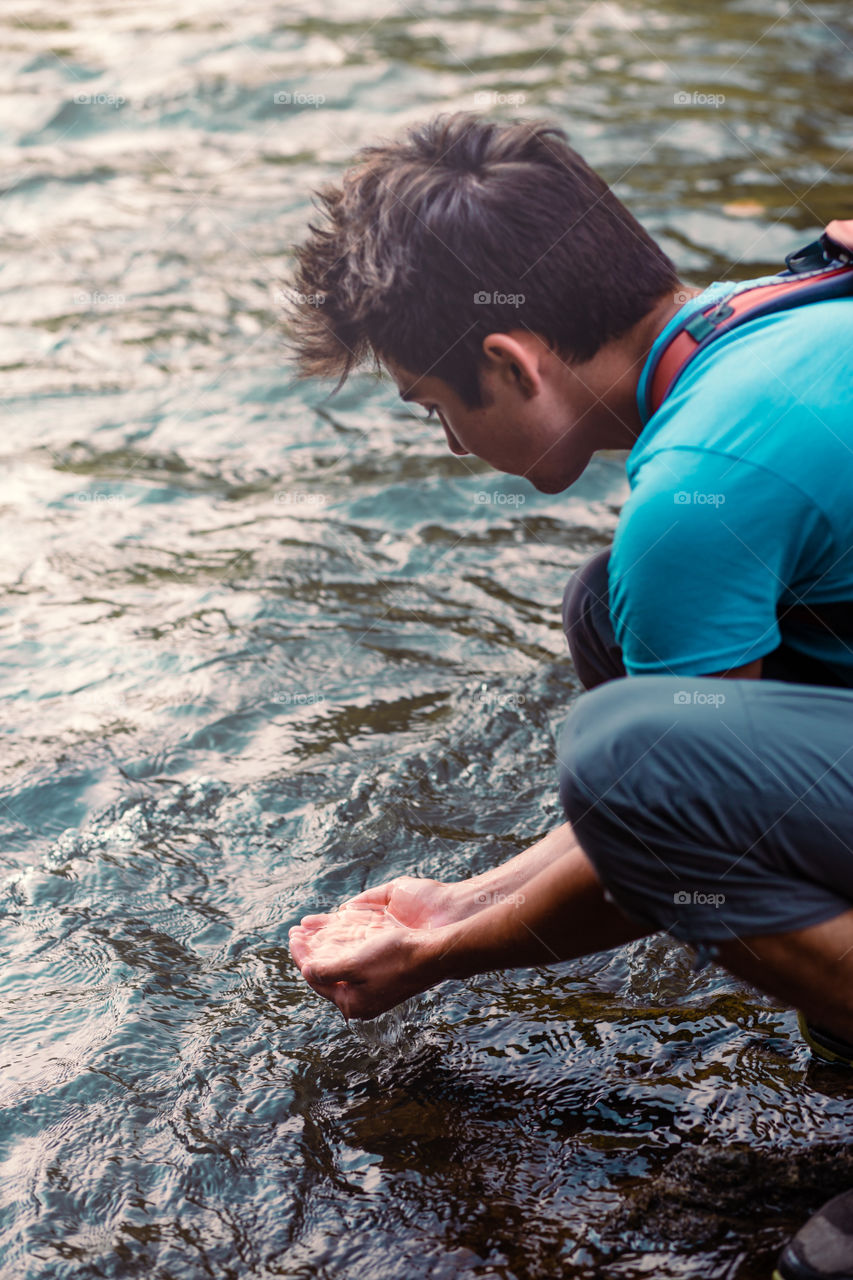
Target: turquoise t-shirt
(741, 497)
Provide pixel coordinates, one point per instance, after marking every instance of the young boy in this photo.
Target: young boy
(505, 288)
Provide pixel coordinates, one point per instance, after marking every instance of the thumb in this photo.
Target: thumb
(343, 999)
(375, 897)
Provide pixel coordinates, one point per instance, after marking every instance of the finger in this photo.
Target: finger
(378, 896)
(326, 973)
(311, 930)
(303, 942)
(344, 999)
(328, 992)
(299, 946)
(315, 921)
(337, 993)
(360, 909)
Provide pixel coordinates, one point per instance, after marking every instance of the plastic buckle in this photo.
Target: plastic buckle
(702, 326)
(808, 258)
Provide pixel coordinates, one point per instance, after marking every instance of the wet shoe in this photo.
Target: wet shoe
(824, 1045)
(823, 1248)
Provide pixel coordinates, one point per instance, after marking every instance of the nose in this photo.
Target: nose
(453, 444)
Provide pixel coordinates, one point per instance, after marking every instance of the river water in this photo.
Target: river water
(262, 649)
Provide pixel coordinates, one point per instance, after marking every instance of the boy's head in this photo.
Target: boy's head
(462, 230)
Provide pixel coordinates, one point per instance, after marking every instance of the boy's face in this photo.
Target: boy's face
(528, 426)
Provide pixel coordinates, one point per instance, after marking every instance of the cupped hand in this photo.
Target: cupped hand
(361, 958)
(419, 902)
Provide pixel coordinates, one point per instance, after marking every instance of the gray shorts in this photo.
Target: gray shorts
(709, 808)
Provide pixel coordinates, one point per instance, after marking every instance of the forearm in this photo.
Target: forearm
(367, 960)
(499, 882)
(561, 914)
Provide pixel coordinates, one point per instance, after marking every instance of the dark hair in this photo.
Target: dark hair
(460, 209)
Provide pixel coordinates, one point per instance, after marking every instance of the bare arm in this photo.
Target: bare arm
(562, 914)
(366, 962)
(398, 939)
(423, 903)
(510, 877)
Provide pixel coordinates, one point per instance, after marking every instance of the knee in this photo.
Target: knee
(606, 787)
(654, 785)
(620, 747)
(616, 789)
(584, 742)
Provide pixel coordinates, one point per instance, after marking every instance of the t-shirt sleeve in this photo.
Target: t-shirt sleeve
(705, 546)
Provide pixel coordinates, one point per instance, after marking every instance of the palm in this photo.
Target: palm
(411, 901)
(357, 957)
(341, 937)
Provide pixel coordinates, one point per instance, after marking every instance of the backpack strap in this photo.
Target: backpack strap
(834, 247)
(839, 234)
(820, 270)
(788, 290)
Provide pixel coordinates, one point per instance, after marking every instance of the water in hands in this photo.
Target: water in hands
(355, 956)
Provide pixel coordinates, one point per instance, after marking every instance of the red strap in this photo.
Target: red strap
(684, 344)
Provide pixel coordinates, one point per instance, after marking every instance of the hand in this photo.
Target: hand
(361, 959)
(417, 902)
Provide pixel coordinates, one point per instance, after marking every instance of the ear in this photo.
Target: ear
(512, 359)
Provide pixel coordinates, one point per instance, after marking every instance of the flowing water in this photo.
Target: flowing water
(262, 649)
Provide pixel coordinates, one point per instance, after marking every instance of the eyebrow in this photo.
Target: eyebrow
(408, 395)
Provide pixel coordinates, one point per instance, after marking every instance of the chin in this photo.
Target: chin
(554, 484)
(557, 483)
